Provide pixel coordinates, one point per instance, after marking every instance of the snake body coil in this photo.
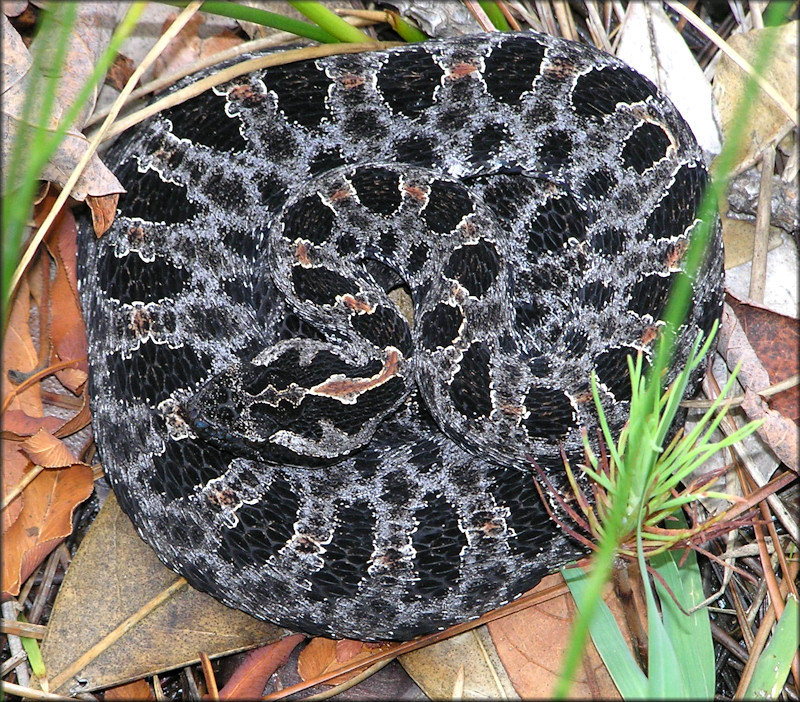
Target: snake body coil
(276, 428)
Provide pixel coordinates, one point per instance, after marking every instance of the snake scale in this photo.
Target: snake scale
(277, 428)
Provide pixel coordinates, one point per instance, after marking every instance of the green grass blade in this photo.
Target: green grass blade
(665, 676)
(690, 635)
(495, 15)
(330, 21)
(49, 49)
(775, 660)
(625, 672)
(408, 32)
(264, 18)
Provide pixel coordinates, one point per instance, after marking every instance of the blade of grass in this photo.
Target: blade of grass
(495, 15)
(775, 661)
(22, 178)
(17, 208)
(623, 668)
(41, 232)
(264, 18)
(330, 21)
(665, 676)
(690, 635)
(407, 32)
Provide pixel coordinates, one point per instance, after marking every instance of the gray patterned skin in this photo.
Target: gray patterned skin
(274, 427)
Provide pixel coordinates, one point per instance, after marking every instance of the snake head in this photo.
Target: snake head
(301, 402)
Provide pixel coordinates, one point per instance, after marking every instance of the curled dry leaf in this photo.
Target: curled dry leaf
(104, 209)
(20, 357)
(779, 432)
(250, 678)
(766, 120)
(45, 450)
(17, 424)
(533, 662)
(14, 465)
(44, 521)
(40, 514)
(67, 329)
(774, 338)
(136, 690)
(322, 656)
(188, 47)
(88, 39)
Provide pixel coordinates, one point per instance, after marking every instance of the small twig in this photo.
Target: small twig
(33, 379)
(512, 21)
(565, 21)
(9, 664)
(517, 605)
(480, 16)
(45, 585)
(739, 399)
(27, 479)
(764, 631)
(31, 694)
(758, 272)
(347, 684)
(211, 679)
(18, 628)
(272, 41)
(10, 611)
(748, 163)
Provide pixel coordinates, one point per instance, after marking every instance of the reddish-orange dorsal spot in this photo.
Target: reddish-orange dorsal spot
(348, 390)
(676, 253)
(354, 303)
(340, 194)
(244, 92)
(415, 192)
(461, 70)
(301, 254)
(649, 334)
(350, 81)
(140, 322)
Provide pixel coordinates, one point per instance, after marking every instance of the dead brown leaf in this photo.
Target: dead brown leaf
(103, 209)
(250, 678)
(44, 521)
(136, 690)
(779, 432)
(45, 450)
(20, 356)
(730, 80)
(112, 579)
(322, 656)
(188, 47)
(90, 35)
(531, 643)
(17, 424)
(67, 329)
(775, 339)
(14, 465)
(120, 72)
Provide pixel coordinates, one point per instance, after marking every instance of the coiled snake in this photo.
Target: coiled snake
(276, 428)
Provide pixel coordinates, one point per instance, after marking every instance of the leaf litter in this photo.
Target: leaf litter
(25, 423)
